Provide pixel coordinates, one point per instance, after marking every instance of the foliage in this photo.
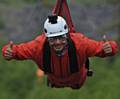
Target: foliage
(18, 78)
(116, 2)
(18, 81)
(48, 2)
(1, 24)
(31, 1)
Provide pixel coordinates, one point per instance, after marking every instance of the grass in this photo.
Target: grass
(19, 81)
(18, 78)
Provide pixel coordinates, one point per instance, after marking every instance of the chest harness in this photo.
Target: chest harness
(61, 9)
(71, 53)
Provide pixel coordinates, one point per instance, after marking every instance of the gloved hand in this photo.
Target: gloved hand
(8, 51)
(107, 46)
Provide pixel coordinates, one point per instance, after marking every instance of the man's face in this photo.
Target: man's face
(58, 43)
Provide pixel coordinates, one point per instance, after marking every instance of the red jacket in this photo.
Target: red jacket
(61, 75)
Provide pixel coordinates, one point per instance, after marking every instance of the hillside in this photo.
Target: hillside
(22, 20)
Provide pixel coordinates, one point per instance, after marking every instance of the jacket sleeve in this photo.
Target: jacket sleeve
(95, 48)
(22, 51)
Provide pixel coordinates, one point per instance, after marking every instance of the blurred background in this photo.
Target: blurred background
(22, 21)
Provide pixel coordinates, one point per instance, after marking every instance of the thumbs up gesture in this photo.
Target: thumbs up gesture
(106, 46)
(105, 38)
(8, 52)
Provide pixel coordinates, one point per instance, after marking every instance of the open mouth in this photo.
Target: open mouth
(58, 48)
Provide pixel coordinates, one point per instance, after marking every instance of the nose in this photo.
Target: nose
(57, 41)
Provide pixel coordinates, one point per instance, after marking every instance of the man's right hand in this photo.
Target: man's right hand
(8, 53)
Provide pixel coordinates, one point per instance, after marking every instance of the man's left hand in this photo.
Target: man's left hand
(107, 48)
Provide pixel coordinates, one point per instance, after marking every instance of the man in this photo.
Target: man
(60, 54)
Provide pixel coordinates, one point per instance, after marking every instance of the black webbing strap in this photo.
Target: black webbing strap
(87, 64)
(46, 58)
(72, 57)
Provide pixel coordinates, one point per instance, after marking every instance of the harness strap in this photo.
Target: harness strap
(61, 9)
(58, 7)
(72, 57)
(46, 58)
